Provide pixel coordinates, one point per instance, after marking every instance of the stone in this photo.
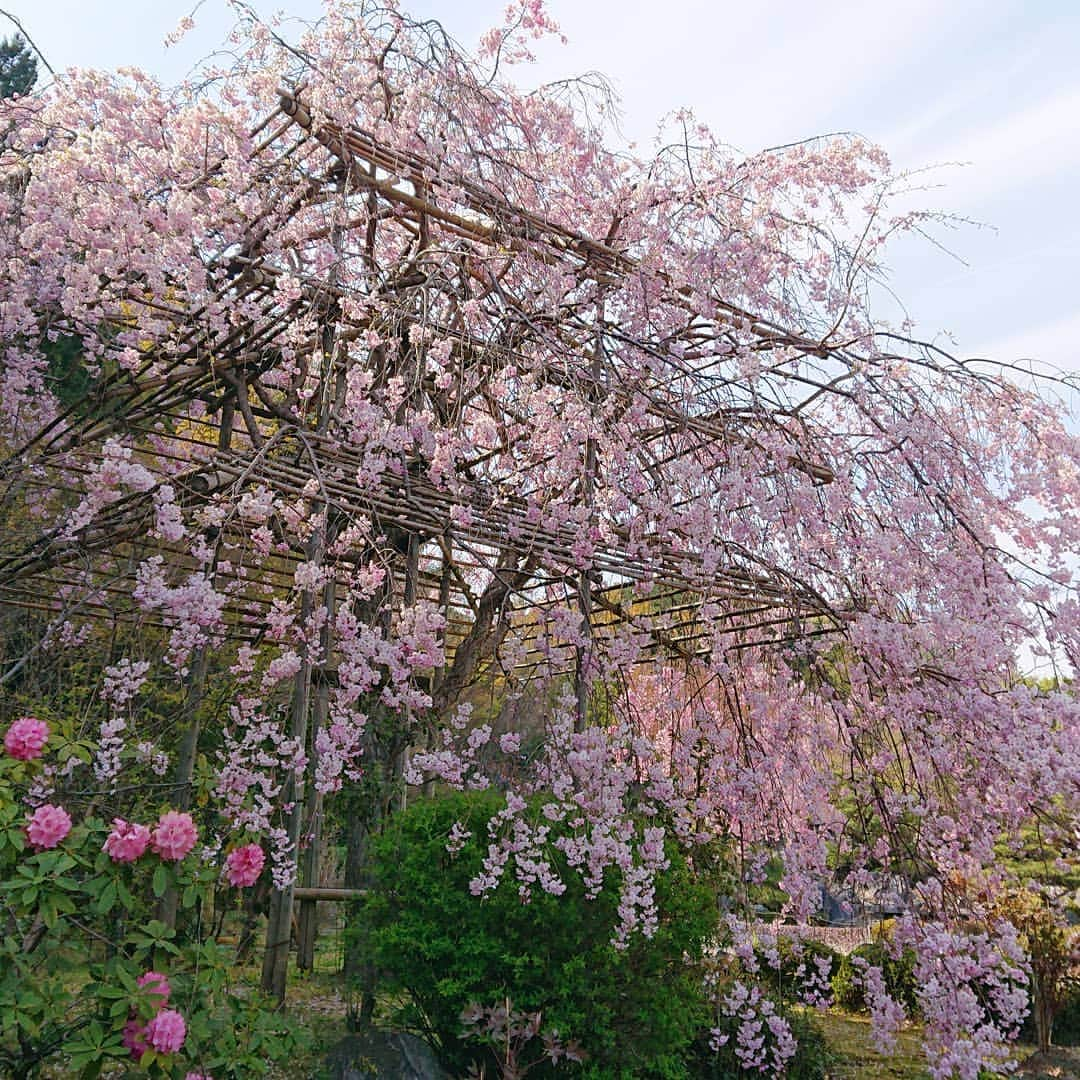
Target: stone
(386, 1055)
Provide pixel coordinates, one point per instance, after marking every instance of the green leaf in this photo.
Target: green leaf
(161, 881)
(57, 862)
(126, 898)
(82, 752)
(107, 899)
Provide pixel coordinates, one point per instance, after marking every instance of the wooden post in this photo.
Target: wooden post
(360, 826)
(308, 923)
(279, 923)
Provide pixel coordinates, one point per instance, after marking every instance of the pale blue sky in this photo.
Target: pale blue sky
(991, 83)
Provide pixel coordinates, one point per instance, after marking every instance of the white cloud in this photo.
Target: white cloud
(1055, 344)
(1025, 147)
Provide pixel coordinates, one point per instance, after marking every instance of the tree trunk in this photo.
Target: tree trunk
(1044, 1016)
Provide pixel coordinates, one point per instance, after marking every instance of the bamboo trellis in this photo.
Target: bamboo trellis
(485, 544)
(252, 434)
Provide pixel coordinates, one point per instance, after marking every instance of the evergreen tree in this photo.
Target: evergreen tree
(18, 67)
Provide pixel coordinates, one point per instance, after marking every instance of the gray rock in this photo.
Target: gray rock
(385, 1055)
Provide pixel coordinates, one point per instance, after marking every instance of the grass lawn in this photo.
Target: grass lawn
(849, 1037)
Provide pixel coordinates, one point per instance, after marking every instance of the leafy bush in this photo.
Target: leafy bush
(80, 933)
(899, 975)
(799, 977)
(1067, 1022)
(812, 1061)
(1053, 948)
(634, 1011)
(1066, 1030)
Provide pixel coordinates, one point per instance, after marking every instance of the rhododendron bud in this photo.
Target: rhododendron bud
(127, 841)
(174, 835)
(166, 1031)
(48, 825)
(134, 1038)
(26, 738)
(158, 986)
(244, 865)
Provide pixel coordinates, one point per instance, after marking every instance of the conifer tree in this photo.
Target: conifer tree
(18, 67)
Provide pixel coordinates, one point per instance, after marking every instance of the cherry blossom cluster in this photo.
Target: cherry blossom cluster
(762, 1041)
(583, 782)
(973, 994)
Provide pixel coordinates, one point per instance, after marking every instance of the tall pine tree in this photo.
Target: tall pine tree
(18, 67)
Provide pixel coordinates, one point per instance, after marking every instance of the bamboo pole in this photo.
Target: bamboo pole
(328, 895)
(308, 928)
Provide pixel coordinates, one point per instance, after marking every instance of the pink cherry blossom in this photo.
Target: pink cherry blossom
(624, 433)
(47, 827)
(26, 738)
(166, 1031)
(244, 864)
(126, 841)
(174, 835)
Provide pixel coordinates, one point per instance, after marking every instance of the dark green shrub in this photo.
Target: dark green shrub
(1067, 1022)
(812, 1061)
(899, 975)
(847, 992)
(634, 1011)
(1066, 1031)
(797, 977)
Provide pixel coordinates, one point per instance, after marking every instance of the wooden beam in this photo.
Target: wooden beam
(302, 892)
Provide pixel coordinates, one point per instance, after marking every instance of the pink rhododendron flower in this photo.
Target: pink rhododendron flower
(134, 1038)
(26, 738)
(166, 1031)
(158, 986)
(48, 825)
(244, 865)
(198, 1076)
(174, 835)
(127, 841)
